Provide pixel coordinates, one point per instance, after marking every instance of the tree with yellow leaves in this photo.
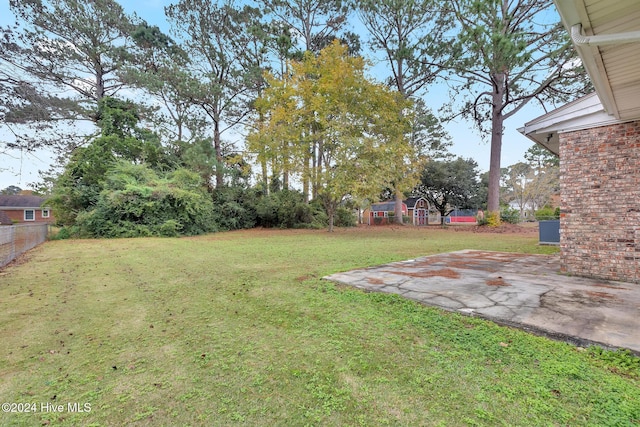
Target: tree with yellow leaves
(358, 127)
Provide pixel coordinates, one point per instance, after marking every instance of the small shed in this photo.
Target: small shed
(416, 209)
(380, 213)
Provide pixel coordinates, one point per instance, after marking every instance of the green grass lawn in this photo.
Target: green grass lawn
(239, 329)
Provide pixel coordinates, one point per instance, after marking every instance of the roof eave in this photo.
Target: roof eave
(572, 13)
(18, 208)
(583, 113)
(600, 83)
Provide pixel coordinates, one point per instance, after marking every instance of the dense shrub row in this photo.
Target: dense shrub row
(123, 183)
(237, 208)
(138, 201)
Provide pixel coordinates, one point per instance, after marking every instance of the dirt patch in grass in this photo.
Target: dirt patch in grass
(527, 229)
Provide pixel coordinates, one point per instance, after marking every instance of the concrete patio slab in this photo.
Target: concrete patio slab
(520, 290)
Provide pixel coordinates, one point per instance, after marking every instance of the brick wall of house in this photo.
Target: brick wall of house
(17, 215)
(600, 202)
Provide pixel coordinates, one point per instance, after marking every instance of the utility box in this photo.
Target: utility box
(549, 232)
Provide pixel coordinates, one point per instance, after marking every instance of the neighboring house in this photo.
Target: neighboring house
(417, 209)
(597, 139)
(4, 219)
(527, 211)
(25, 209)
(380, 213)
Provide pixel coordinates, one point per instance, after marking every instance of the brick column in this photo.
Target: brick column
(600, 202)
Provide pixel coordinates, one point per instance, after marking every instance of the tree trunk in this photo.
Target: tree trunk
(285, 168)
(263, 165)
(265, 177)
(398, 208)
(217, 146)
(331, 208)
(497, 121)
(306, 178)
(317, 172)
(308, 186)
(274, 182)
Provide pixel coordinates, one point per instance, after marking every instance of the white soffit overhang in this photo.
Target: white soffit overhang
(606, 34)
(584, 113)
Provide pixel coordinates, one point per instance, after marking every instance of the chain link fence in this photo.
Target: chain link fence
(19, 238)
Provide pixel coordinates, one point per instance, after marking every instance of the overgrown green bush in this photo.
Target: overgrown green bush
(380, 220)
(510, 215)
(137, 202)
(547, 213)
(285, 209)
(345, 218)
(320, 217)
(62, 234)
(392, 218)
(235, 208)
